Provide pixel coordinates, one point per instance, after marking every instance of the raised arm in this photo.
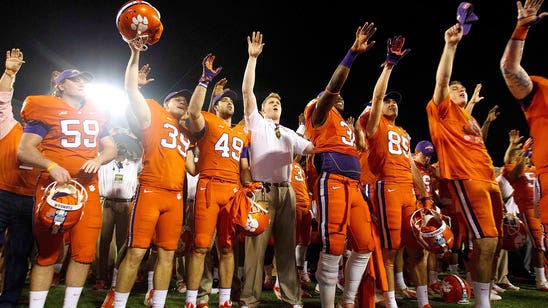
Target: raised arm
(453, 36)
(196, 118)
(491, 116)
(137, 101)
(218, 88)
(254, 48)
(516, 78)
(394, 54)
(514, 144)
(329, 98)
(476, 98)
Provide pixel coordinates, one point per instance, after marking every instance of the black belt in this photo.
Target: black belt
(281, 184)
(118, 199)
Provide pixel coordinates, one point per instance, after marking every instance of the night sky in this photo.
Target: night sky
(302, 50)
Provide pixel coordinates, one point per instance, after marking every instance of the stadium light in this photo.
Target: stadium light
(110, 98)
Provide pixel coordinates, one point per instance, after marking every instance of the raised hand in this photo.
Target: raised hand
(493, 113)
(14, 60)
(527, 13)
(395, 51)
(220, 87)
(515, 138)
(208, 72)
(143, 73)
(454, 34)
(255, 44)
(476, 98)
(363, 35)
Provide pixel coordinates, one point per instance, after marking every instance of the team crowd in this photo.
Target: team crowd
(349, 202)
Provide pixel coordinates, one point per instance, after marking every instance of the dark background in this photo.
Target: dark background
(305, 41)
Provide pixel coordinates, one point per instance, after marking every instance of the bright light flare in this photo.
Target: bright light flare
(107, 97)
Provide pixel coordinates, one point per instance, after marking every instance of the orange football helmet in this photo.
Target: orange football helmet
(139, 22)
(257, 218)
(514, 232)
(432, 230)
(61, 206)
(455, 290)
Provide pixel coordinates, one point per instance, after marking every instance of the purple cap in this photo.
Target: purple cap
(466, 17)
(184, 93)
(228, 93)
(393, 95)
(67, 74)
(425, 147)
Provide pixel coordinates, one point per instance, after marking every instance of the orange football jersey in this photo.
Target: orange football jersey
(426, 178)
(298, 182)
(524, 186)
(389, 153)
(221, 148)
(367, 177)
(459, 144)
(73, 134)
(335, 135)
(15, 177)
(165, 148)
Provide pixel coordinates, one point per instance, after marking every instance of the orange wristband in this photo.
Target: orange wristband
(9, 72)
(520, 32)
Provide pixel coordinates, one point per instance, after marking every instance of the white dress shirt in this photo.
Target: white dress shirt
(119, 179)
(507, 194)
(270, 157)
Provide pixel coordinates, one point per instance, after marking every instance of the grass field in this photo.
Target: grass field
(526, 297)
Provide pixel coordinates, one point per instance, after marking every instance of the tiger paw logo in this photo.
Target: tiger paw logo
(139, 24)
(252, 224)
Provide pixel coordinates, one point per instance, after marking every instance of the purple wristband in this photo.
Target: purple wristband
(349, 58)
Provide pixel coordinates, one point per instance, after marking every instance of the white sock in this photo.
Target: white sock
(354, 269)
(482, 294)
(114, 275)
(120, 299)
(422, 295)
(150, 280)
(159, 298)
(326, 275)
(224, 295)
(540, 275)
(72, 295)
(191, 296)
(37, 299)
(300, 253)
(390, 299)
(400, 282)
(305, 266)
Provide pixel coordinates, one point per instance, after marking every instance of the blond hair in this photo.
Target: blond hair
(271, 95)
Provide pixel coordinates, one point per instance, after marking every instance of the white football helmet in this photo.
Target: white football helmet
(432, 230)
(61, 207)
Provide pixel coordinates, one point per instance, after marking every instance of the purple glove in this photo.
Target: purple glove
(207, 70)
(395, 52)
